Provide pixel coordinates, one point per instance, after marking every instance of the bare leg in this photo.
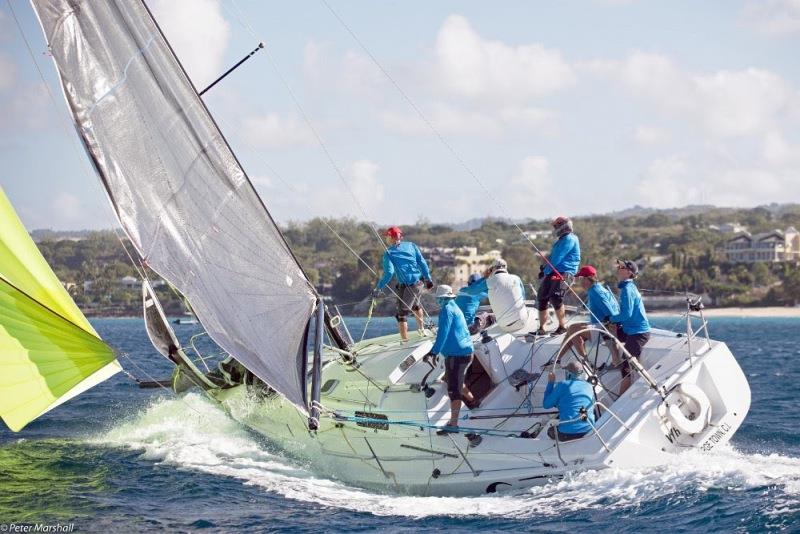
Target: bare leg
(577, 341)
(418, 316)
(467, 394)
(542, 319)
(561, 315)
(455, 409)
(403, 326)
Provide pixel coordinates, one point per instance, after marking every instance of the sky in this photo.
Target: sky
(526, 108)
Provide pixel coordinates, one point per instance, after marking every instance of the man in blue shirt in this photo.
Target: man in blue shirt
(403, 260)
(564, 259)
(454, 343)
(602, 305)
(633, 327)
(469, 303)
(574, 398)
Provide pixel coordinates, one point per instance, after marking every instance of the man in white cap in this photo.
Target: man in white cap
(506, 296)
(454, 343)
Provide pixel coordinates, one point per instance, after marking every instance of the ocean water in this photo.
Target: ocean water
(119, 458)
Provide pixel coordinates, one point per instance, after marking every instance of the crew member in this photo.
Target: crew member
(634, 328)
(574, 398)
(506, 296)
(602, 305)
(563, 260)
(469, 303)
(403, 260)
(454, 343)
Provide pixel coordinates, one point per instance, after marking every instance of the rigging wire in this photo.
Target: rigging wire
(315, 132)
(62, 121)
(465, 166)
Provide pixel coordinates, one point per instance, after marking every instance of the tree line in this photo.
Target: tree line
(677, 251)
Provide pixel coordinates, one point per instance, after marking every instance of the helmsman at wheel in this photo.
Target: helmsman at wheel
(403, 260)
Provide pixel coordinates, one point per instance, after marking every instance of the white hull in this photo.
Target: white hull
(406, 456)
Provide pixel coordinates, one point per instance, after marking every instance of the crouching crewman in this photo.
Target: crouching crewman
(574, 398)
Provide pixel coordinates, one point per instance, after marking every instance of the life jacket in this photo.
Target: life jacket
(507, 299)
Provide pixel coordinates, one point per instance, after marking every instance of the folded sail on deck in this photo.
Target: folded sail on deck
(177, 188)
(48, 350)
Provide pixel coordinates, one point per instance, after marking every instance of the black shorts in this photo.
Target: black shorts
(563, 436)
(551, 291)
(456, 372)
(634, 343)
(408, 297)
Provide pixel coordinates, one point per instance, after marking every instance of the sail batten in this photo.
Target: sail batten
(177, 188)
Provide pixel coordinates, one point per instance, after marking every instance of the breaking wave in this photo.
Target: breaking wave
(193, 433)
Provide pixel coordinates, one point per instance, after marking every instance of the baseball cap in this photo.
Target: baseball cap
(630, 265)
(586, 270)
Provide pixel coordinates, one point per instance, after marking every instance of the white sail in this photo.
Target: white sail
(177, 188)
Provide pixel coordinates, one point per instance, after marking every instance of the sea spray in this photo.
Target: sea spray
(192, 432)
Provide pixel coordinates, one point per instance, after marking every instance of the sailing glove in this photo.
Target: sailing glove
(429, 284)
(377, 293)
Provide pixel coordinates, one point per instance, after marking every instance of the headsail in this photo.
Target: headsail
(177, 188)
(48, 350)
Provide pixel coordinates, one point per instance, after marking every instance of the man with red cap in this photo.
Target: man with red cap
(404, 261)
(601, 305)
(564, 259)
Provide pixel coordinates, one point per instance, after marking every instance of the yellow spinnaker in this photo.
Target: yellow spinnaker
(49, 352)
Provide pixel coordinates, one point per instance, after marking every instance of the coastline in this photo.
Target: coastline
(768, 311)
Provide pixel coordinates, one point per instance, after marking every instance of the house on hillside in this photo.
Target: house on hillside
(729, 228)
(462, 261)
(766, 247)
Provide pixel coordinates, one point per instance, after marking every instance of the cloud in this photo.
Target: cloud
(67, 209)
(724, 103)
(529, 192)
(301, 200)
(723, 179)
(778, 151)
(649, 136)
(664, 185)
(273, 131)
(467, 65)
(457, 121)
(362, 177)
(199, 34)
(772, 17)
(25, 106)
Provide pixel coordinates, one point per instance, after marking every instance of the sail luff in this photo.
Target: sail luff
(176, 186)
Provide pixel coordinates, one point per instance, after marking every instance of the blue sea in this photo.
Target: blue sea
(120, 458)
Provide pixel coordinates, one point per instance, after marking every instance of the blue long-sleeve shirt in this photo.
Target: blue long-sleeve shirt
(452, 337)
(403, 260)
(631, 314)
(469, 302)
(570, 396)
(601, 303)
(565, 255)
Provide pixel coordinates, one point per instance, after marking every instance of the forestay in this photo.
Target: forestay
(177, 188)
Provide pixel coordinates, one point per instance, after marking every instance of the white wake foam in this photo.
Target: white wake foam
(193, 433)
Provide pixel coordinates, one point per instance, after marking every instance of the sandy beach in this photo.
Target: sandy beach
(771, 311)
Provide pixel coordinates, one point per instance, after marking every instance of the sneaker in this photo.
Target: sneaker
(558, 331)
(540, 332)
(447, 429)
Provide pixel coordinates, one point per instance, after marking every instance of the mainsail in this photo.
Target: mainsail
(48, 350)
(177, 188)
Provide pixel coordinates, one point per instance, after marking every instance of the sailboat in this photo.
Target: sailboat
(363, 412)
